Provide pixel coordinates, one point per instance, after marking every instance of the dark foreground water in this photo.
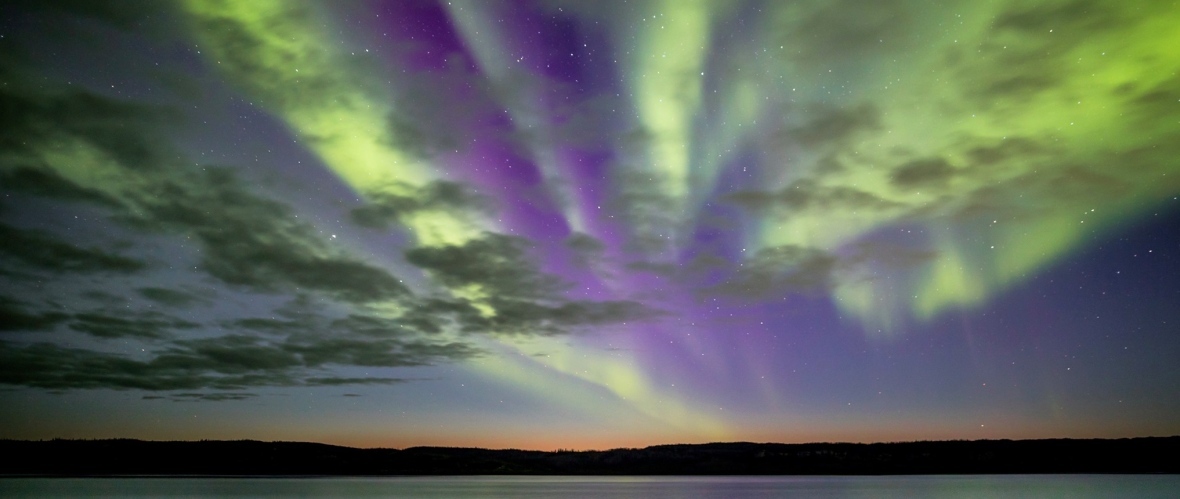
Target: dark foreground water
(654, 487)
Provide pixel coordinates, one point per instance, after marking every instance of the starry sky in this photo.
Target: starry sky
(557, 224)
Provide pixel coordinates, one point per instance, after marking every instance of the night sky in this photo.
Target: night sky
(571, 224)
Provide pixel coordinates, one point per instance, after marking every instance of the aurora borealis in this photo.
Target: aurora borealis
(571, 224)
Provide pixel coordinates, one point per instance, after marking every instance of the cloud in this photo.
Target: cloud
(657, 268)
(830, 125)
(47, 183)
(820, 32)
(46, 365)
(171, 297)
(16, 316)
(383, 207)
(587, 251)
(290, 353)
(256, 242)
(526, 317)
(62, 145)
(433, 315)
(248, 239)
(124, 14)
(885, 254)
(228, 362)
(209, 397)
(428, 119)
(34, 117)
(45, 251)
(354, 381)
(228, 354)
(790, 269)
(925, 172)
(809, 194)
(584, 244)
(1077, 16)
(1028, 49)
(128, 324)
(648, 211)
(984, 154)
(510, 316)
(497, 264)
(779, 271)
(372, 326)
(515, 297)
(377, 353)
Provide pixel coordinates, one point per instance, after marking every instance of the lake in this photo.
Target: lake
(644, 487)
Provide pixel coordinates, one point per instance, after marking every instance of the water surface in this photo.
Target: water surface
(641, 487)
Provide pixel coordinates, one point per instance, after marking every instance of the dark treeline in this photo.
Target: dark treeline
(136, 457)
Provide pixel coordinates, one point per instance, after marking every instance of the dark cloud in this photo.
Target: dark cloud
(823, 31)
(1161, 96)
(657, 268)
(243, 238)
(527, 317)
(925, 172)
(228, 362)
(1154, 106)
(17, 316)
(229, 354)
(48, 184)
(361, 339)
(377, 353)
(269, 325)
(129, 133)
(1076, 16)
(433, 315)
(499, 264)
(587, 250)
(354, 381)
(1019, 148)
(650, 215)
(236, 47)
(522, 316)
(778, 271)
(788, 269)
(829, 125)
(46, 365)
(1029, 48)
(587, 123)
(584, 244)
(171, 297)
(808, 194)
(105, 298)
(210, 397)
(126, 14)
(248, 239)
(522, 298)
(885, 254)
(373, 326)
(299, 346)
(428, 119)
(256, 242)
(128, 324)
(384, 208)
(45, 251)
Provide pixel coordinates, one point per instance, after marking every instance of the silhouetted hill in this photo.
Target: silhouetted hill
(246, 457)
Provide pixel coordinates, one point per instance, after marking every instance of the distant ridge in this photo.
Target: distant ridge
(122, 457)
